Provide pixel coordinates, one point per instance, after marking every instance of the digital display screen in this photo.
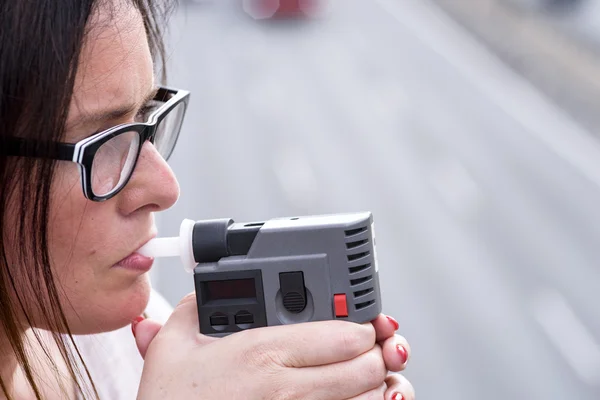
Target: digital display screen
(230, 289)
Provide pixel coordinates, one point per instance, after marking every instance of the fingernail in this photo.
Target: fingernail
(136, 321)
(397, 396)
(394, 322)
(403, 353)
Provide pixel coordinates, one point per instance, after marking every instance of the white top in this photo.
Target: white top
(113, 358)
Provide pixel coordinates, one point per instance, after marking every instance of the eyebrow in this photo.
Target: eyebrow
(116, 113)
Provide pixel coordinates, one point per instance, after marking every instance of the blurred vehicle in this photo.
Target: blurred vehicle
(265, 9)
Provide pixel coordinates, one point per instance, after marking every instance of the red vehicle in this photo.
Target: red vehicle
(263, 9)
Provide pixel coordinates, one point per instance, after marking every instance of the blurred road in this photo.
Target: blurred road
(583, 21)
(485, 196)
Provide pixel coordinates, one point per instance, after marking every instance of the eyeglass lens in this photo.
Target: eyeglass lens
(167, 130)
(115, 159)
(113, 162)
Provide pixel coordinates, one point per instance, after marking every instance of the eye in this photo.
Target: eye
(146, 111)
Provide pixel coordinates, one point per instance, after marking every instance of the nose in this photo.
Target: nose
(152, 186)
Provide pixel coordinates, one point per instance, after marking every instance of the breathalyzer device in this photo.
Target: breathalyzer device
(280, 271)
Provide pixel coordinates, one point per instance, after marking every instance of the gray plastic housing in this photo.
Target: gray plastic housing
(335, 253)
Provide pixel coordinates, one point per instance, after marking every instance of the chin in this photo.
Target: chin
(116, 311)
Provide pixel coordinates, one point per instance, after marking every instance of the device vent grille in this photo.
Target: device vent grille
(364, 292)
(360, 306)
(356, 231)
(353, 257)
(358, 281)
(360, 266)
(352, 245)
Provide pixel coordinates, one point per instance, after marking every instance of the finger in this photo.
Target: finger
(399, 388)
(385, 327)
(184, 316)
(396, 353)
(375, 394)
(144, 332)
(313, 343)
(343, 380)
(183, 322)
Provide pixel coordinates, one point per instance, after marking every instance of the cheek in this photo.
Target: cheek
(96, 298)
(69, 216)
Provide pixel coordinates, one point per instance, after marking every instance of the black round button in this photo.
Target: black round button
(294, 302)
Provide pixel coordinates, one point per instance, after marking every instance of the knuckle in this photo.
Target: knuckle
(356, 341)
(350, 342)
(266, 356)
(375, 371)
(282, 386)
(283, 392)
(266, 359)
(261, 357)
(378, 394)
(394, 380)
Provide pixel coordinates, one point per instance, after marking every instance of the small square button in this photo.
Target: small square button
(244, 317)
(340, 305)
(219, 319)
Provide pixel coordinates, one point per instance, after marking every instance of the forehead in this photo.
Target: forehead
(115, 65)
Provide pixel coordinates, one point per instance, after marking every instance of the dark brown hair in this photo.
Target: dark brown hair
(40, 44)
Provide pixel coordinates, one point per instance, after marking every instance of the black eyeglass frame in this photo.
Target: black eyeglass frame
(84, 151)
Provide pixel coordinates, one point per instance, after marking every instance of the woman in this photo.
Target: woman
(80, 180)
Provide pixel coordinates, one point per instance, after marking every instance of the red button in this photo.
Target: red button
(340, 305)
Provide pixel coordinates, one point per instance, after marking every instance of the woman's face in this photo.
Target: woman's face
(89, 240)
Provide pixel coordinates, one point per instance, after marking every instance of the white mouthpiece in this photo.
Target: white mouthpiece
(174, 246)
(161, 247)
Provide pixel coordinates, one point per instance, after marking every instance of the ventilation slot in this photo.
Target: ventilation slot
(352, 245)
(352, 232)
(352, 257)
(354, 270)
(363, 292)
(354, 282)
(366, 304)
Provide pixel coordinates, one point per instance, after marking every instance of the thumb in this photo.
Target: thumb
(183, 322)
(144, 332)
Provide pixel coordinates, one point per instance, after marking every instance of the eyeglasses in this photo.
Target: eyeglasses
(107, 159)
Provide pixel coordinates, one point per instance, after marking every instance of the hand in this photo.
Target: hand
(331, 360)
(396, 353)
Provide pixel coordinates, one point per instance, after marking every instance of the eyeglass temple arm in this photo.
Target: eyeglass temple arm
(20, 147)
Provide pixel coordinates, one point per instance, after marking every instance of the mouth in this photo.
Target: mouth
(135, 261)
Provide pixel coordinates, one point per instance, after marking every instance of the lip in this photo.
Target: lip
(135, 261)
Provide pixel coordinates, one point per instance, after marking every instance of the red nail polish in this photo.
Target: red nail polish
(394, 322)
(136, 321)
(397, 396)
(403, 353)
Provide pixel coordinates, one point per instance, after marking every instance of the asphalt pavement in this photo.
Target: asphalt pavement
(485, 195)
